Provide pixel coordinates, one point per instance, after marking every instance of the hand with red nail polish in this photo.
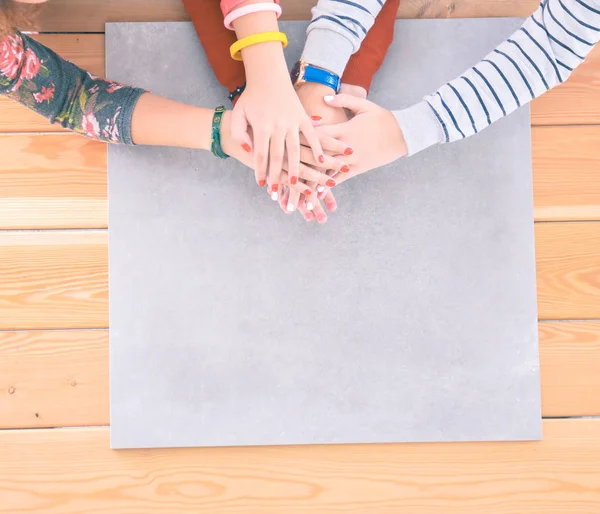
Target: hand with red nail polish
(373, 136)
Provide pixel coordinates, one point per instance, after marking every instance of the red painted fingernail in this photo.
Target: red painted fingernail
(315, 118)
(307, 192)
(345, 168)
(275, 187)
(246, 147)
(348, 151)
(321, 159)
(293, 181)
(262, 183)
(330, 183)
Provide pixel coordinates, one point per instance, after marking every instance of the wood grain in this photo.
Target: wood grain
(59, 181)
(59, 378)
(568, 270)
(73, 471)
(52, 181)
(90, 15)
(566, 182)
(570, 368)
(54, 378)
(59, 279)
(577, 101)
(53, 280)
(86, 51)
(574, 102)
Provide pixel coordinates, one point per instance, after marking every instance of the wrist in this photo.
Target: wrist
(314, 89)
(227, 143)
(350, 89)
(265, 61)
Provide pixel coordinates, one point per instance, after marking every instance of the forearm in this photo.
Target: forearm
(264, 57)
(38, 78)
(540, 55)
(162, 122)
(337, 30)
(364, 64)
(207, 18)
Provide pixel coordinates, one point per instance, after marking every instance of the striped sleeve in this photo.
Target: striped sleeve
(551, 43)
(337, 30)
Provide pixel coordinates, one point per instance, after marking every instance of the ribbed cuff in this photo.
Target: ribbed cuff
(327, 49)
(420, 127)
(124, 121)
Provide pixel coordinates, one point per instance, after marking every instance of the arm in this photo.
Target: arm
(552, 42)
(216, 39)
(270, 106)
(363, 65)
(35, 76)
(337, 30)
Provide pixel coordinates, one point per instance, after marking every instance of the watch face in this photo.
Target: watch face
(295, 72)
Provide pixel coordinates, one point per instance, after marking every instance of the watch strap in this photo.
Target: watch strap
(321, 76)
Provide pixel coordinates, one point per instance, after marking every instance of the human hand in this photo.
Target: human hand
(306, 173)
(272, 109)
(373, 134)
(311, 95)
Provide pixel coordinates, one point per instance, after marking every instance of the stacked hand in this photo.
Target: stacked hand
(299, 164)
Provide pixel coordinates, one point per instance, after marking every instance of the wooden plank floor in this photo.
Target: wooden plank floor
(54, 411)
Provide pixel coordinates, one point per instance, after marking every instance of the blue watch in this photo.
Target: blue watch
(304, 72)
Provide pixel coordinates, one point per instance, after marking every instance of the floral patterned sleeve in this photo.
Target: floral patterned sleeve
(35, 76)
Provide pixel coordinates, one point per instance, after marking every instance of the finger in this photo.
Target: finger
(320, 213)
(293, 199)
(350, 102)
(312, 140)
(306, 213)
(239, 129)
(316, 176)
(292, 148)
(333, 144)
(276, 154)
(330, 163)
(330, 202)
(261, 156)
(283, 200)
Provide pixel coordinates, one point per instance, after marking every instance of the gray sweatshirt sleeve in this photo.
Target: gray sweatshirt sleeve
(337, 30)
(542, 54)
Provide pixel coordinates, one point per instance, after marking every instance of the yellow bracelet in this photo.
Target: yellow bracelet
(236, 49)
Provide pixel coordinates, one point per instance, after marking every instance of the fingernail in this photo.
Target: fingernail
(321, 159)
(290, 207)
(322, 218)
(275, 187)
(328, 98)
(320, 189)
(262, 183)
(310, 206)
(293, 181)
(316, 118)
(307, 192)
(345, 168)
(274, 196)
(246, 147)
(348, 151)
(330, 183)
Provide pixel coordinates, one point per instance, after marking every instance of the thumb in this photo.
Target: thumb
(239, 129)
(350, 102)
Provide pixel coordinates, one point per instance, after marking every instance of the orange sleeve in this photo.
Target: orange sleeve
(363, 65)
(207, 18)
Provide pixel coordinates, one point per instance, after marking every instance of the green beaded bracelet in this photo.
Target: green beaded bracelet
(215, 140)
